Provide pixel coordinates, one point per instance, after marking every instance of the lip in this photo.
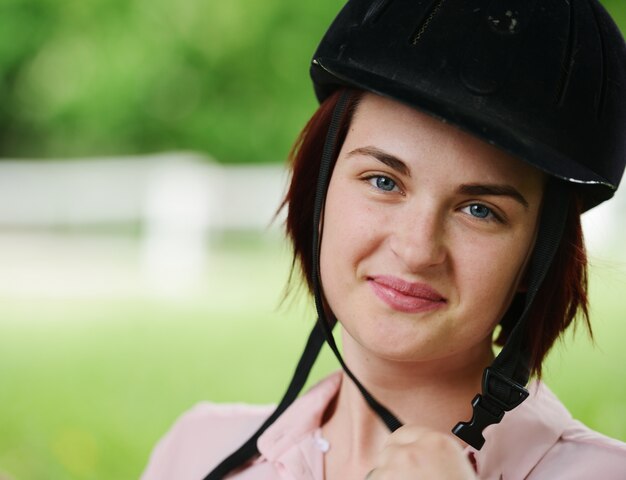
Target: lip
(407, 297)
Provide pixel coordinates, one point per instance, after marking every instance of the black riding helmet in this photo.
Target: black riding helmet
(544, 80)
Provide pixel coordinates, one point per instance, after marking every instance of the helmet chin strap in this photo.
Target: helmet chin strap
(323, 322)
(503, 382)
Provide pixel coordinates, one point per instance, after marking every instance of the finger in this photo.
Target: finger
(411, 461)
(418, 444)
(405, 434)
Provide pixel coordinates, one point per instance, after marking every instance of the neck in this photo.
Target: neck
(435, 394)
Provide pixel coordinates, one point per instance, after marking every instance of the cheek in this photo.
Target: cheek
(335, 238)
(492, 274)
(352, 232)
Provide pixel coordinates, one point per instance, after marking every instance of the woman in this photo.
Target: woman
(435, 206)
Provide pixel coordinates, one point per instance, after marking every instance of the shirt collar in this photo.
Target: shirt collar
(302, 417)
(512, 448)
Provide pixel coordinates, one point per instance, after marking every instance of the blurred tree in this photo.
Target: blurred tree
(106, 77)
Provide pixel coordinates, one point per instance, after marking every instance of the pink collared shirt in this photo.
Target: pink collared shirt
(537, 440)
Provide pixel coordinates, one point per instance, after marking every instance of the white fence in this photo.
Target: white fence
(169, 191)
(179, 201)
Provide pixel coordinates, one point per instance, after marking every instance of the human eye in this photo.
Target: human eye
(482, 212)
(382, 182)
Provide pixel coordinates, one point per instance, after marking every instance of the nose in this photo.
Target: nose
(419, 240)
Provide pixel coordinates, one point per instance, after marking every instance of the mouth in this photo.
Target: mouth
(407, 297)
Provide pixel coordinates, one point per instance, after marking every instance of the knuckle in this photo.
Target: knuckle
(439, 441)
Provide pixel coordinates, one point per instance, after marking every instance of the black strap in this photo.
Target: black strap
(512, 361)
(327, 325)
(503, 386)
(249, 450)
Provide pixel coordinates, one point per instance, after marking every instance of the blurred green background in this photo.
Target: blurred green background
(93, 77)
(89, 383)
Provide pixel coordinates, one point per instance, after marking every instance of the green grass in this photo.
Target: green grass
(88, 386)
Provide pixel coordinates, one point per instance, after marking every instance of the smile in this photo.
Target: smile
(405, 296)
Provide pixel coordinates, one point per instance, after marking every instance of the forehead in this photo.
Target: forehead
(416, 137)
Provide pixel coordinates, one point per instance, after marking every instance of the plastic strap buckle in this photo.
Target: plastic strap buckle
(489, 407)
(513, 392)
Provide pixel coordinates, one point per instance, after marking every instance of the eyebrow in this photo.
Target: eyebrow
(384, 157)
(501, 190)
(494, 189)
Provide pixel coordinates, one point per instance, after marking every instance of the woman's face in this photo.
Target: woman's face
(427, 232)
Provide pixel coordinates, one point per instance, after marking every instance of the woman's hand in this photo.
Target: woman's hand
(419, 453)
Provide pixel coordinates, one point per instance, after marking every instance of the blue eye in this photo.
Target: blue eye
(383, 183)
(482, 212)
(479, 211)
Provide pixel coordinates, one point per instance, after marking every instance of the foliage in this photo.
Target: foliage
(105, 77)
(121, 76)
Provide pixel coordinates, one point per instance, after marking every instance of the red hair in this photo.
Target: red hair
(562, 295)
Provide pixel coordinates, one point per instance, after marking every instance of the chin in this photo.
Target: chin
(397, 346)
(399, 355)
